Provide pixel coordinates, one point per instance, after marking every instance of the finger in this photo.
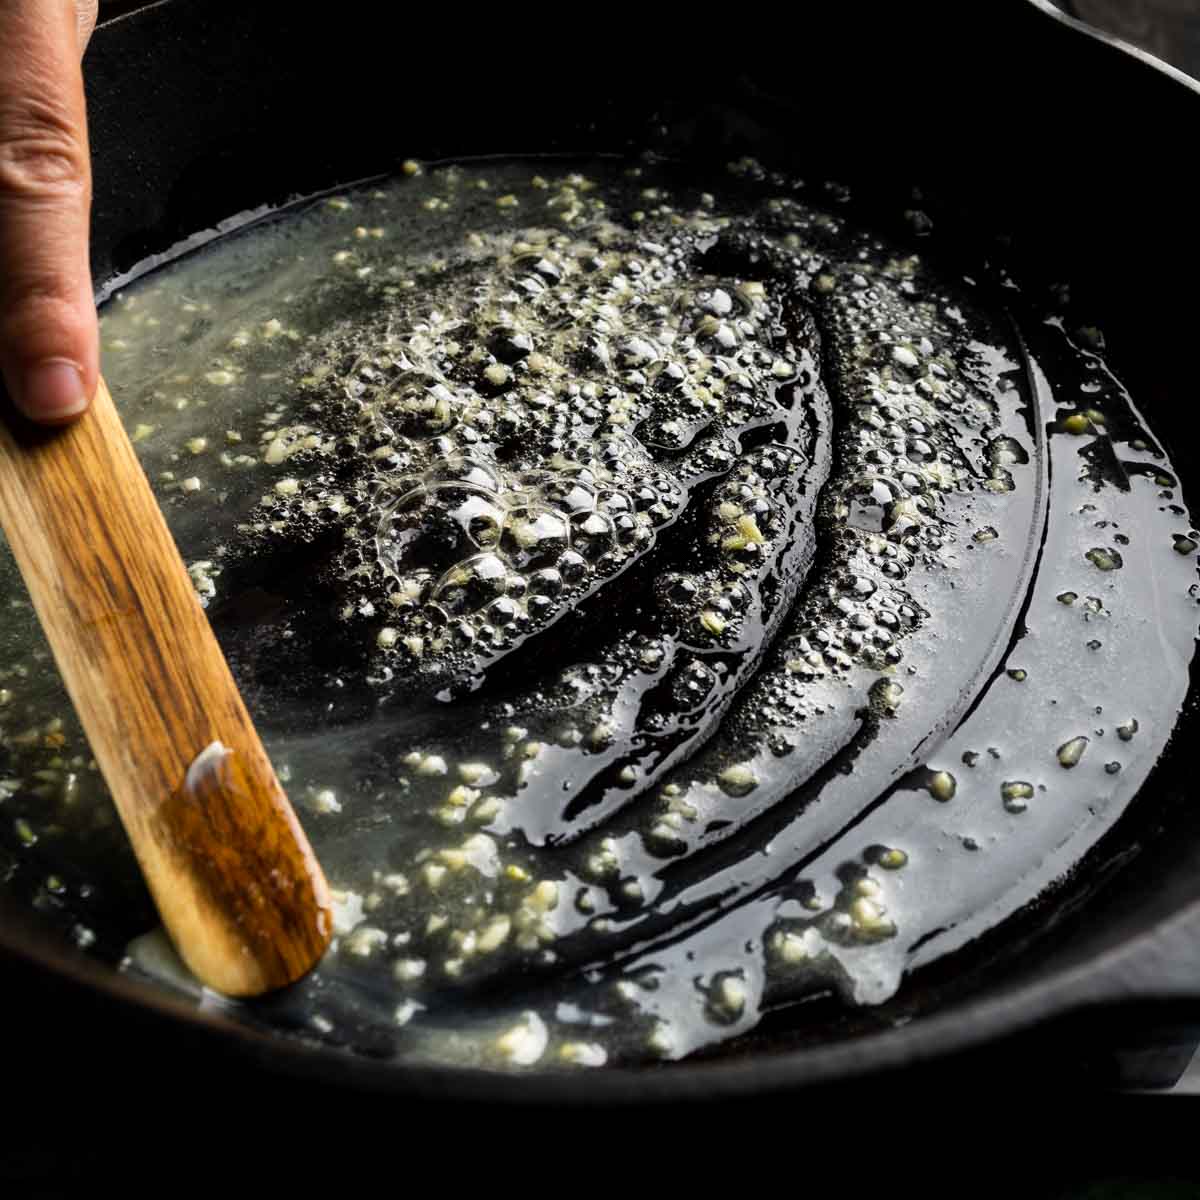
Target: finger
(85, 21)
(48, 338)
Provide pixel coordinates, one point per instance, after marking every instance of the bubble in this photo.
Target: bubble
(676, 589)
(510, 345)
(717, 301)
(464, 470)
(1006, 451)
(546, 582)
(479, 519)
(568, 495)
(737, 597)
(473, 512)
(540, 265)
(904, 517)
(613, 502)
(572, 567)
(670, 433)
(597, 353)
(692, 684)
(503, 612)
(869, 503)
(716, 336)
(716, 456)
(637, 352)
(534, 536)
(417, 402)
(399, 528)
(471, 584)
(592, 534)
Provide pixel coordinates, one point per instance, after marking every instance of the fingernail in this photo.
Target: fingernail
(52, 391)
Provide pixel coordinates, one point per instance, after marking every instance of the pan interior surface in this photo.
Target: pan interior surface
(971, 855)
(666, 598)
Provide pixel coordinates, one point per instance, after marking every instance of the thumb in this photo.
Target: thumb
(48, 337)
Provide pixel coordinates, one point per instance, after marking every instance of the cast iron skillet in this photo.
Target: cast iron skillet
(1014, 120)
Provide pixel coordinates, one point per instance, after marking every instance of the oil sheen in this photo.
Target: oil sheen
(663, 598)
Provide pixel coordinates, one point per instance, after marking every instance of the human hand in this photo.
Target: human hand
(49, 343)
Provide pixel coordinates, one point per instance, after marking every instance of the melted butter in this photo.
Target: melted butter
(652, 600)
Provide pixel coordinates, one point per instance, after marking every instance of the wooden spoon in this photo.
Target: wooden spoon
(235, 881)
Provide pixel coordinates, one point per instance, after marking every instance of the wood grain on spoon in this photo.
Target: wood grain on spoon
(236, 884)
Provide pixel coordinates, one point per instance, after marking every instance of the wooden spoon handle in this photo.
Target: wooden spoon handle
(235, 881)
